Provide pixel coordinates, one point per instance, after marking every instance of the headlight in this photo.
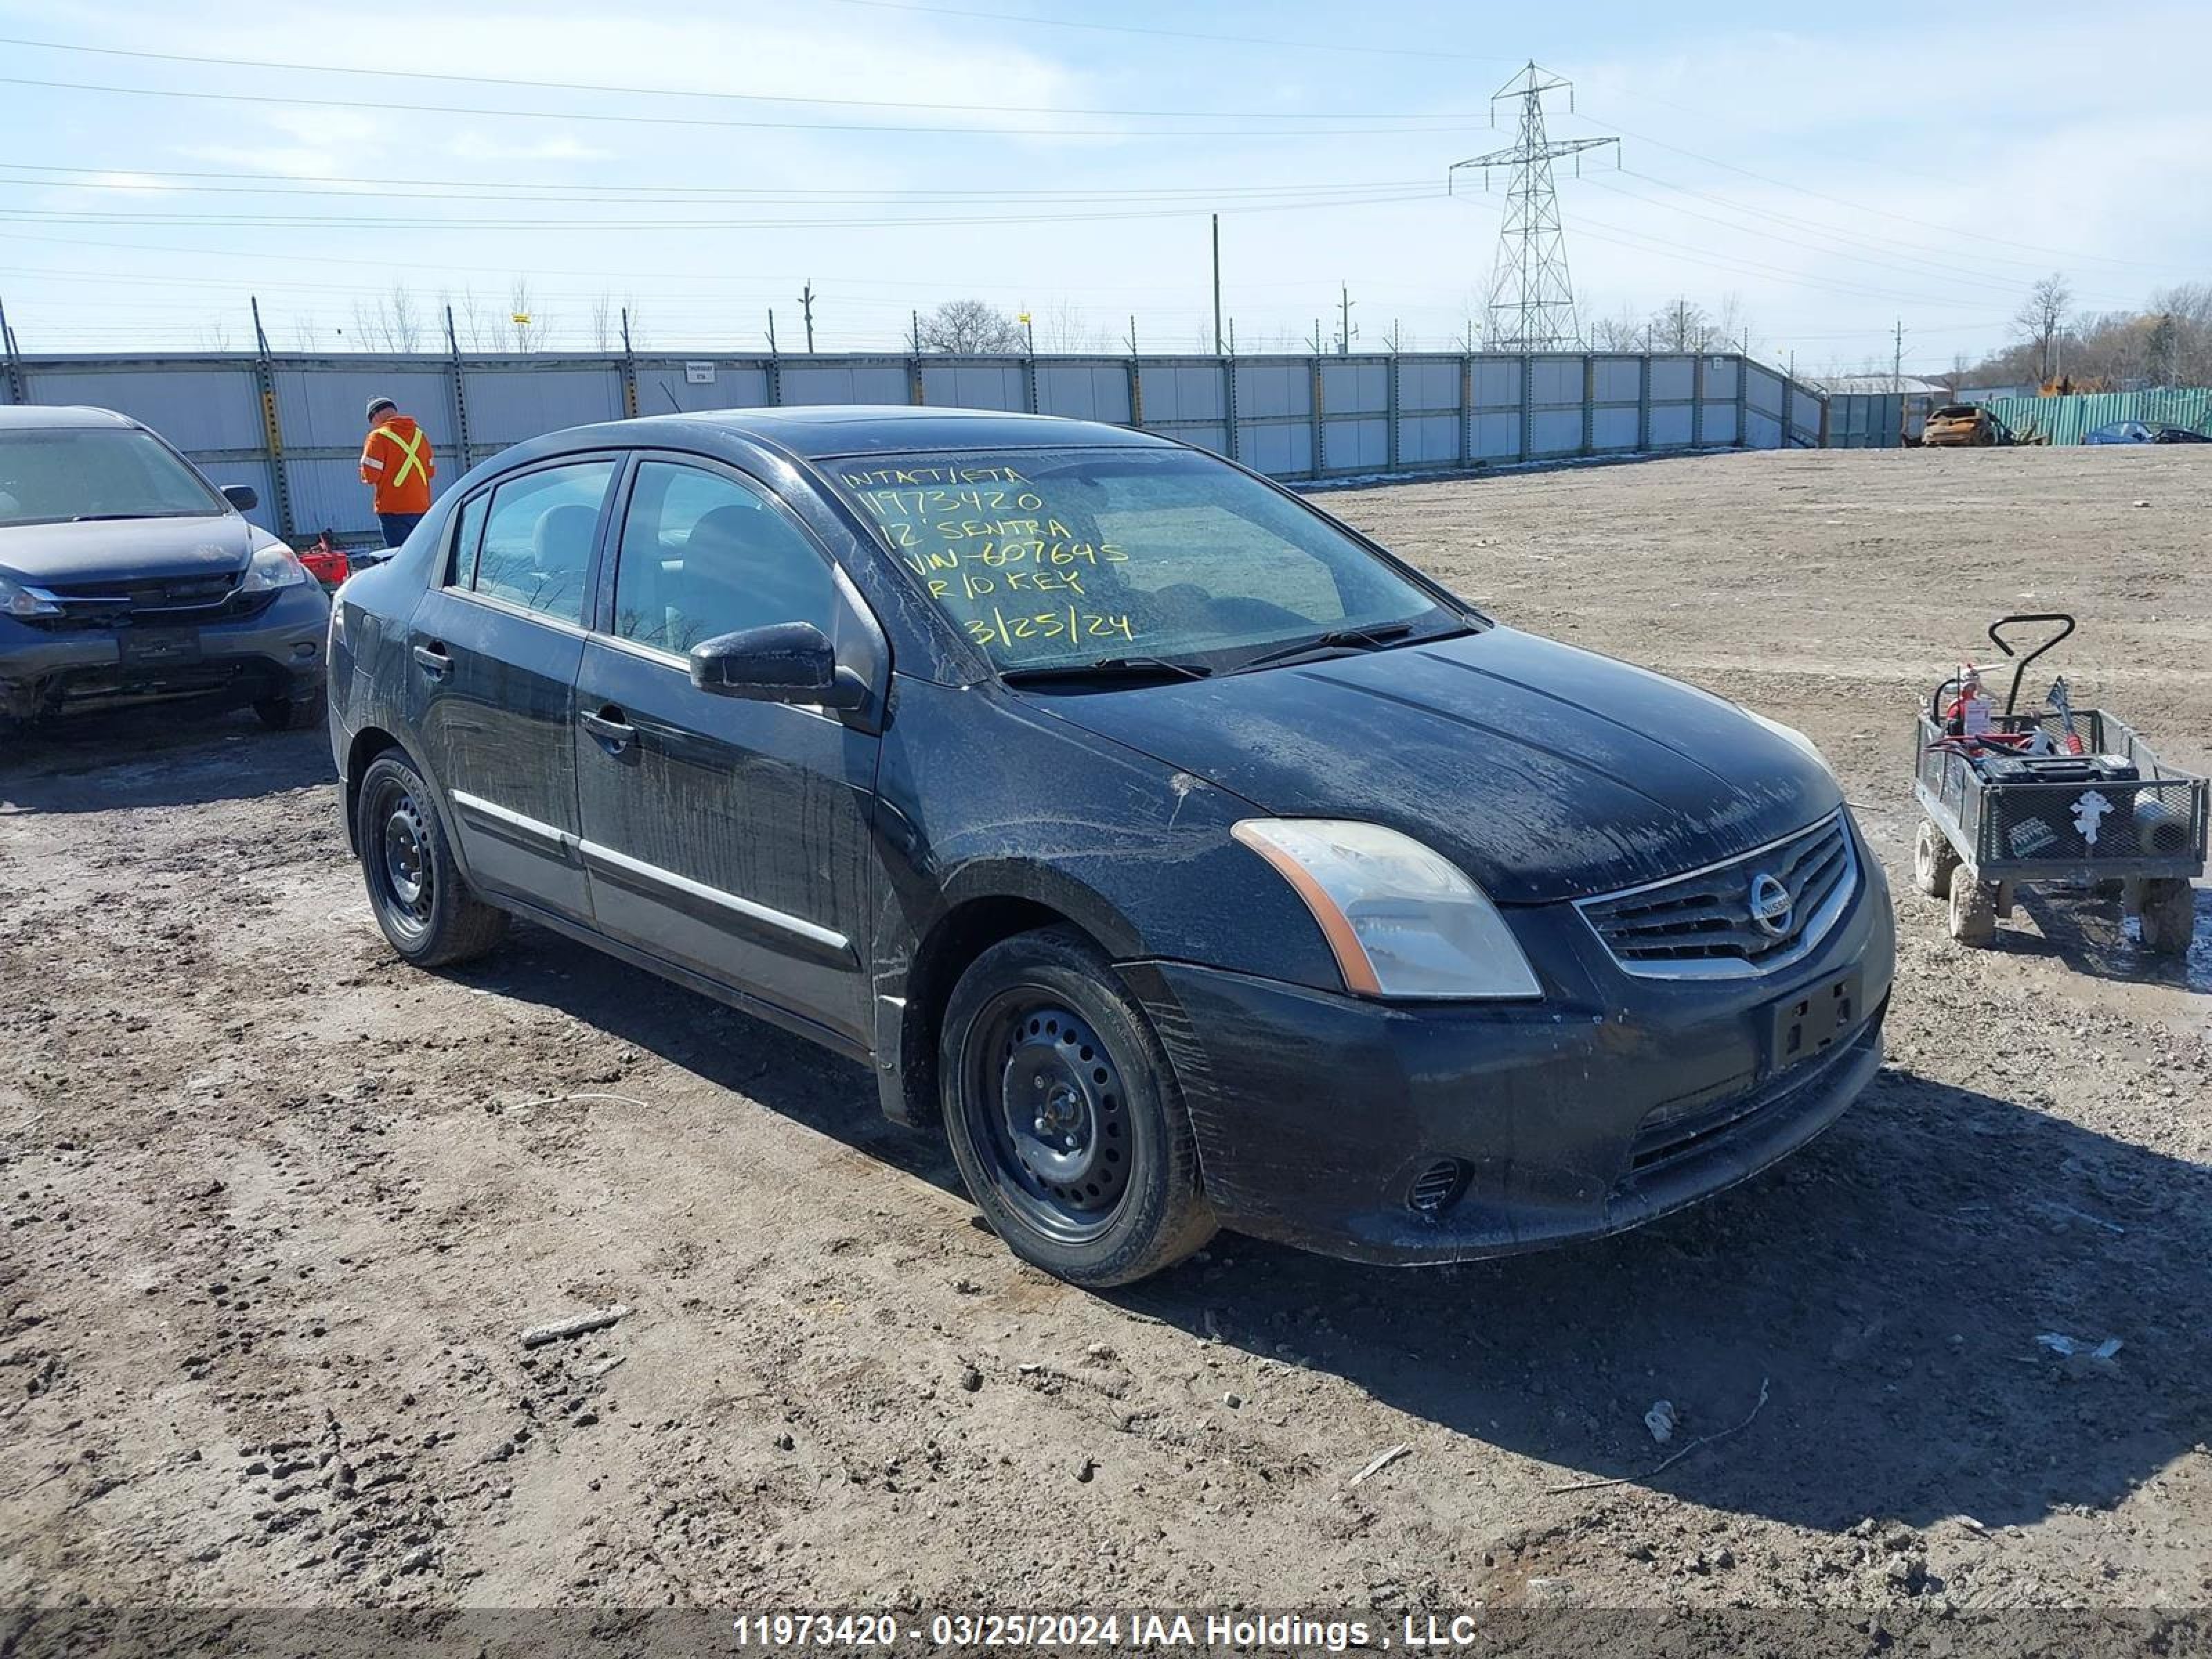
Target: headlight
(17, 600)
(273, 567)
(1790, 734)
(1402, 921)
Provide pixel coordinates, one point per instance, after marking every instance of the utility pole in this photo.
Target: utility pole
(1393, 341)
(1216, 285)
(1318, 348)
(1232, 336)
(1531, 302)
(917, 331)
(806, 300)
(1896, 360)
(1133, 334)
(771, 330)
(1344, 311)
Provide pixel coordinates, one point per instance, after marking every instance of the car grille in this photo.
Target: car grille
(1701, 924)
(162, 602)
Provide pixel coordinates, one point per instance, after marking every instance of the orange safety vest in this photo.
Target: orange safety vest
(397, 461)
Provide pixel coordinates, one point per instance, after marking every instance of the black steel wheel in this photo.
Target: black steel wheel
(421, 902)
(1064, 1116)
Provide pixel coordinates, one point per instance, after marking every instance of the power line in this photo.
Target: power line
(1332, 47)
(355, 221)
(688, 92)
(312, 185)
(1861, 207)
(692, 121)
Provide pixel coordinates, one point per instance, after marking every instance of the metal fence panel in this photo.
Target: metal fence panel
(516, 400)
(875, 381)
(994, 383)
(1084, 390)
(1614, 429)
(203, 405)
(1375, 414)
(670, 386)
(1670, 426)
(325, 405)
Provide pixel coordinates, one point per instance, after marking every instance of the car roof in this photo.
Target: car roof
(59, 416)
(824, 431)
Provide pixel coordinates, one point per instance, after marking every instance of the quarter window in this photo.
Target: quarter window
(703, 555)
(538, 536)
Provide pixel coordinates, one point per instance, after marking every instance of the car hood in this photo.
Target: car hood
(127, 549)
(1545, 772)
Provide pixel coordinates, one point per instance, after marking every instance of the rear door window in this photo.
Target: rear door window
(538, 533)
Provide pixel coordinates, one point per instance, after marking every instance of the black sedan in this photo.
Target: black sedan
(1189, 858)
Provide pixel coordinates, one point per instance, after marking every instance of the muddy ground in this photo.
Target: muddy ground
(277, 1208)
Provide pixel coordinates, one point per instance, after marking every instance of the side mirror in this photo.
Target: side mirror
(783, 662)
(244, 497)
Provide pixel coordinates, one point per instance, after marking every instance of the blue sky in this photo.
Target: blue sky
(1827, 175)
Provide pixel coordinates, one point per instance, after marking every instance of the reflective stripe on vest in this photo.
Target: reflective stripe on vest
(412, 449)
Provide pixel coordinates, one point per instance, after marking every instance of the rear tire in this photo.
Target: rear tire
(2169, 916)
(1064, 1116)
(1933, 861)
(290, 714)
(421, 902)
(1973, 910)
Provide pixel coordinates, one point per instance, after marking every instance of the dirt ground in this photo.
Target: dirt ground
(277, 1208)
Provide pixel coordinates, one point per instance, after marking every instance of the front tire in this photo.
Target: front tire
(1064, 1116)
(425, 908)
(1934, 861)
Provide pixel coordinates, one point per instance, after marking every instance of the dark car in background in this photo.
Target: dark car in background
(2146, 432)
(1186, 857)
(125, 575)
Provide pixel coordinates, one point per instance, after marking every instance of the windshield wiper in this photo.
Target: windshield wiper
(1337, 639)
(104, 517)
(1107, 668)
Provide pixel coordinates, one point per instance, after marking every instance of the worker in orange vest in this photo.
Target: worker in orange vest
(397, 462)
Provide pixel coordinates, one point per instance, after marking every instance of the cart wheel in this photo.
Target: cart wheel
(1973, 911)
(1933, 861)
(2169, 916)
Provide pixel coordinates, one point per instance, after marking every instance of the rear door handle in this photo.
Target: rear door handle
(614, 733)
(433, 661)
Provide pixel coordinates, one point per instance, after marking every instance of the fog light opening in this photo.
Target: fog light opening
(1438, 1187)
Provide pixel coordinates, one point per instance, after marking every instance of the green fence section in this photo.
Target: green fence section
(2070, 420)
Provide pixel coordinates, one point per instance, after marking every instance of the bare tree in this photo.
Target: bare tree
(391, 322)
(1681, 326)
(606, 327)
(971, 328)
(216, 337)
(2042, 319)
(1065, 328)
(526, 326)
(305, 332)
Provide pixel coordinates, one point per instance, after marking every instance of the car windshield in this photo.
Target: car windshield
(1066, 558)
(51, 475)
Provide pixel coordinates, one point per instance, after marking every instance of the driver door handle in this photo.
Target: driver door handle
(615, 733)
(433, 661)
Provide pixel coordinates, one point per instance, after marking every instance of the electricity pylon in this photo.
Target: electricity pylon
(1532, 304)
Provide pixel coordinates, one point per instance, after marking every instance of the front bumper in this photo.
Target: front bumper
(1318, 1116)
(278, 653)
